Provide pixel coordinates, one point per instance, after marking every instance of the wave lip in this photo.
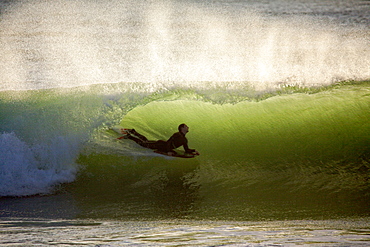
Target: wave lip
(30, 170)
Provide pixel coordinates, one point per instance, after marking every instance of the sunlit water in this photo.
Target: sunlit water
(185, 233)
(274, 92)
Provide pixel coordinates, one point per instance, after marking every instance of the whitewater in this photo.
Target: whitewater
(276, 95)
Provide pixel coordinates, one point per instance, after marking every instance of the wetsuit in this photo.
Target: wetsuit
(176, 140)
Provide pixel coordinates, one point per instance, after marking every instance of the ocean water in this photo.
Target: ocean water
(276, 95)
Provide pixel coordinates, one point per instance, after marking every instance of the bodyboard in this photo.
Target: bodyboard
(177, 155)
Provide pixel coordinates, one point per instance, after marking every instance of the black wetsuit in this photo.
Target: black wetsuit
(176, 140)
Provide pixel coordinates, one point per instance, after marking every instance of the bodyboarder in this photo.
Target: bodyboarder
(178, 139)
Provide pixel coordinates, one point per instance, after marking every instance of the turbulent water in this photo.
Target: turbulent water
(276, 95)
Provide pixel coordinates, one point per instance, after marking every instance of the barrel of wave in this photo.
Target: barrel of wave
(288, 127)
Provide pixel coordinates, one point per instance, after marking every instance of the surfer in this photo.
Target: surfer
(178, 139)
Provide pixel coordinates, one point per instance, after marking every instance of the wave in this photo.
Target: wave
(301, 153)
(279, 125)
(314, 127)
(311, 138)
(38, 169)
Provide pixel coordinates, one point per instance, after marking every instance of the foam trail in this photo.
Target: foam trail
(67, 44)
(37, 169)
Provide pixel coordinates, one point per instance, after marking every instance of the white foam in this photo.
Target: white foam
(34, 169)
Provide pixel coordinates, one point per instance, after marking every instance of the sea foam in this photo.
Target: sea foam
(34, 169)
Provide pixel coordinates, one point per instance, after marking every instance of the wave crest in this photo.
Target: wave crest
(37, 169)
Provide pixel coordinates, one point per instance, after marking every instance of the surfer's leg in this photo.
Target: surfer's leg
(159, 145)
(137, 140)
(154, 144)
(134, 132)
(145, 144)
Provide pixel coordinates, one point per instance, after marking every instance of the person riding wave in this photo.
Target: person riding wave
(178, 139)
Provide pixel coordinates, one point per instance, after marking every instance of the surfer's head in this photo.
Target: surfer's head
(183, 128)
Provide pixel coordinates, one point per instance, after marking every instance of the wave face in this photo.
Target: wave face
(274, 155)
(277, 104)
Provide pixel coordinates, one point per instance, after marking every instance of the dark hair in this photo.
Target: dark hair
(181, 126)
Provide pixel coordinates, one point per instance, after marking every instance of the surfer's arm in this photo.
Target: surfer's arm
(178, 140)
(191, 151)
(187, 149)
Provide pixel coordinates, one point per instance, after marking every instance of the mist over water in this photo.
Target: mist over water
(71, 43)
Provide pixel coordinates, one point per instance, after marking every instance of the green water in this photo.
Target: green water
(297, 153)
(290, 156)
